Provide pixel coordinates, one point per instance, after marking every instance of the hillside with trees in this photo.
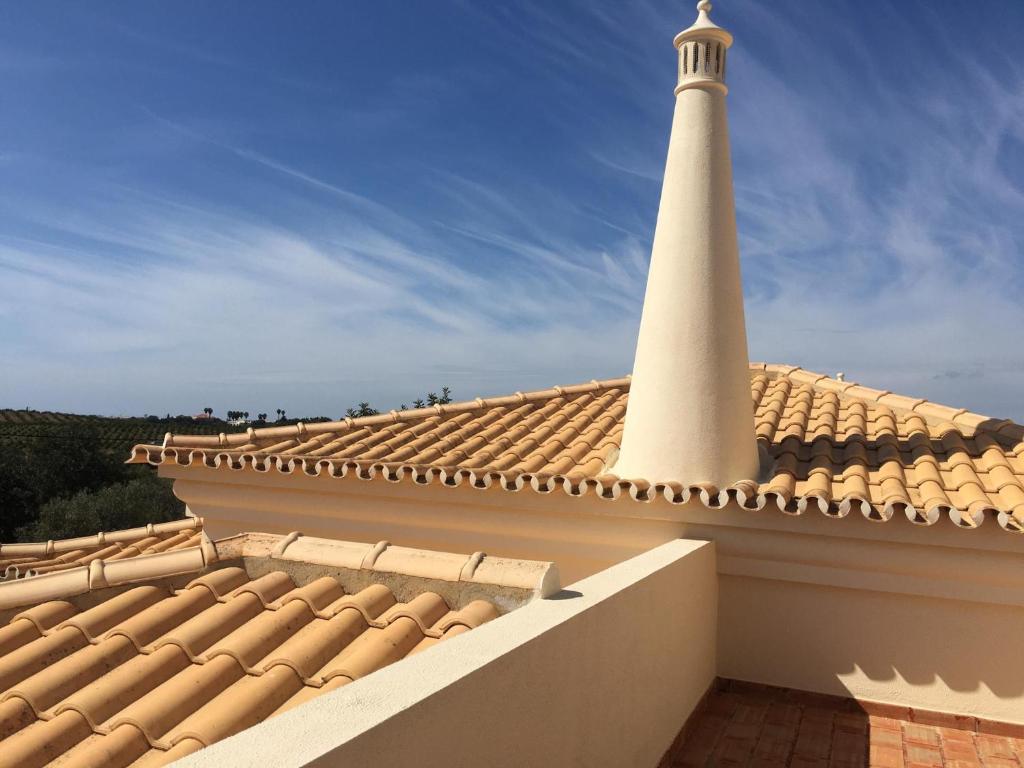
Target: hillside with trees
(63, 474)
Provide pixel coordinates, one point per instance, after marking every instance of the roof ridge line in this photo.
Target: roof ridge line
(303, 430)
(54, 546)
(99, 574)
(932, 412)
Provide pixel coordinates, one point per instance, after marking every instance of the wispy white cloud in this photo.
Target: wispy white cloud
(881, 227)
(880, 231)
(232, 310)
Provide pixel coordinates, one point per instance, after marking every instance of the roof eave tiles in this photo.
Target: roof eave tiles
(835, 446)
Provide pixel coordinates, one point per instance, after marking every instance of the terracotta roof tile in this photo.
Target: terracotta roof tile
(20, 560)
(835, 446)
(487, 573)
(154, 673)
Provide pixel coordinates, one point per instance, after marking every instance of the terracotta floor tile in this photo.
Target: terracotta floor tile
(849, 750)
(750, 713)
(707, 730)
(963, 752)
(810, 735)
(731, 751)
(780, 731)
(722, 703)
(1000, 762)
(956, 735)
(923, 754)
(819, 714)
(780, 713)
(885, 757)
(813, 744)
(883, 737)
(773, 749)
(738, 730)
(852, 722)
(920, 734)
(1017, 745)
(994, 746)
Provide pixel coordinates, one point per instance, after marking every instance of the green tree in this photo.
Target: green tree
(139, 501)
(443, 399)
(49, 465)
(363, 409)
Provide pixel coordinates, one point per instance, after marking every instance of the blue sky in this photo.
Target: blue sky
(260, 205)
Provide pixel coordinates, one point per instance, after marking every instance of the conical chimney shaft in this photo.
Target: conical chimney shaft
(690, 416)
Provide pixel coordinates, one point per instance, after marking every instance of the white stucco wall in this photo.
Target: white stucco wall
(603, 675)
(955, 656)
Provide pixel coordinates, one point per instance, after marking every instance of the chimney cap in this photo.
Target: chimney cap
(703, 28)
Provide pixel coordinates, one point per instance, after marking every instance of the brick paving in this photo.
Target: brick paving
(746, 725)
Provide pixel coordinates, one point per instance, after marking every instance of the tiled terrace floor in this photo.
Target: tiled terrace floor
(777, 728)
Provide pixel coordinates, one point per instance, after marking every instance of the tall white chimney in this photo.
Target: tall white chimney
(690, 417)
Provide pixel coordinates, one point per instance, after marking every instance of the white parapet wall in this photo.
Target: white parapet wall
(604, 673)
(907, 650)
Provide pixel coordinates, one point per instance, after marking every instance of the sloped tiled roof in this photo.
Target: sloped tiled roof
(37, 558)
(834, 446)
(144, 676)
(160, 674)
